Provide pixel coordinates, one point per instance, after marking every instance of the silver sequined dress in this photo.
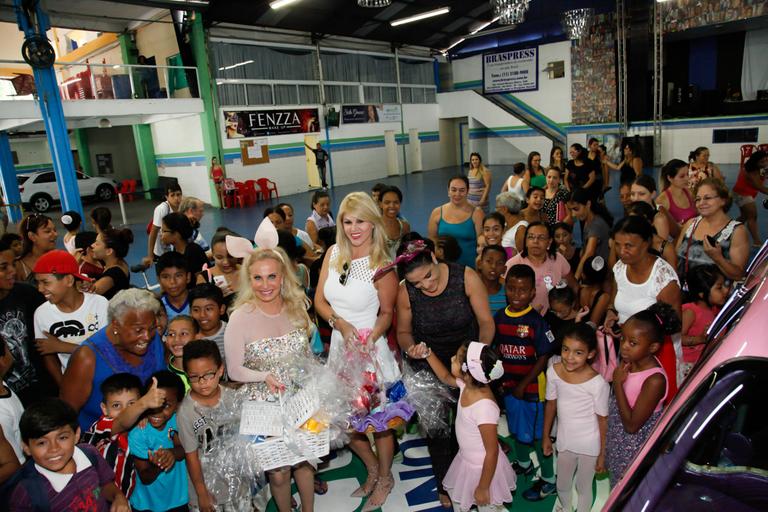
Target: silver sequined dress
(275, 355)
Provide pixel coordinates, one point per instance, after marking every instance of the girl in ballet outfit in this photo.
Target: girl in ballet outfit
(578, 396)
(640, 385)
(480, 473)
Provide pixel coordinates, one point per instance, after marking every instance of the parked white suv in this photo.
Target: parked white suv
(39, 190)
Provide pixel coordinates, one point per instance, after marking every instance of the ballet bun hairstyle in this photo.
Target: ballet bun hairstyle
(661, 319)
(481, 363)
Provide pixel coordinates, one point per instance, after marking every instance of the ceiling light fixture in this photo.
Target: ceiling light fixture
(277, 4)
(223, 68)
(418, 17)
(576, 23)
(374, 4)
(510, 12)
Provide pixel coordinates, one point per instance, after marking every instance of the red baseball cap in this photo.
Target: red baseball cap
(58, 262)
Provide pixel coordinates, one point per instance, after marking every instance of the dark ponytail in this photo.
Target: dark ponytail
(661, 318)
(584, 196)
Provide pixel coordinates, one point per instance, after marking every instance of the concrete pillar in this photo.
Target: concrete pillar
(209, 117)
(83, 151)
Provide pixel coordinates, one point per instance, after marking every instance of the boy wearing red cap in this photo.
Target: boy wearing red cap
(69, 316)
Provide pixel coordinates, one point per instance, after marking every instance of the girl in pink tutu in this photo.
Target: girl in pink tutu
(479, 474)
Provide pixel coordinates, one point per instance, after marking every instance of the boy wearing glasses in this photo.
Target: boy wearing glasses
(203, 419)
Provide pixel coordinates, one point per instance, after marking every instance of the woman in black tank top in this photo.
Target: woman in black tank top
(442, 305)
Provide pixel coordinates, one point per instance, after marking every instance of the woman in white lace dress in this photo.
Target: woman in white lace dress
(360, 311)
(640, 279)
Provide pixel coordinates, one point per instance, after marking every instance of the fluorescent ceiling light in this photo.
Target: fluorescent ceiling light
(444, 52)
(236, 65)
(484, 26)
(277, 4)
(417, 17)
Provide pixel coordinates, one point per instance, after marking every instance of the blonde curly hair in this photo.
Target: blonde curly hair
(291, 292)
(362, 206)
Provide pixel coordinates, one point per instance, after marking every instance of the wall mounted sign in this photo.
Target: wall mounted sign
(351, 114)
(260, 123)
(511, 71)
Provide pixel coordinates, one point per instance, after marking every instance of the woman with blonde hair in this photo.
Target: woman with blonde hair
(267, 331)
(356, 295)
(479, 182)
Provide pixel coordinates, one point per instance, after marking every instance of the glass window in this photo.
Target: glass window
(430, 96)
(372, 94)
(333, 94)
(46, 177)
(259, 94)
(405, 92)
(389, 94)
(286, 94)
(309, 94)
(351, 94)
(231, 94)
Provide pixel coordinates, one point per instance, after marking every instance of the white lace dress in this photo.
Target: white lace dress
(632, 298)
(357, 302)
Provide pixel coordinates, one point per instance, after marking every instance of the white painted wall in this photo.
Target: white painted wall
(484, 114)
(553, 99)
(31, 151)
(183, 137)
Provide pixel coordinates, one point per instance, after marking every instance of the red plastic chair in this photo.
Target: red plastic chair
(255, 192)
(746, 152)
(267, 186)
(763, 147)
(244, 197)
(128, 189)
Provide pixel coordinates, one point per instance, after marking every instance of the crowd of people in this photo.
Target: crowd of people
(111, 392)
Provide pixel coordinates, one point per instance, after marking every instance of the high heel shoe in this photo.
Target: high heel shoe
(370, 482)
(380, 493)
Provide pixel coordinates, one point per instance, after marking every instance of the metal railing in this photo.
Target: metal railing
(88, 81)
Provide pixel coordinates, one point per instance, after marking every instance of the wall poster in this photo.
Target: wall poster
(511, 71)
(371, 114)
(261, 123)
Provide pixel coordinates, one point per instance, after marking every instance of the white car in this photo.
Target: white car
(39, 189)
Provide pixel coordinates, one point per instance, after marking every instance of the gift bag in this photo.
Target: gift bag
(606, 358)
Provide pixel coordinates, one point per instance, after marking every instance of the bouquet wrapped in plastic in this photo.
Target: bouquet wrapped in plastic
(375, 405)
(430, 398)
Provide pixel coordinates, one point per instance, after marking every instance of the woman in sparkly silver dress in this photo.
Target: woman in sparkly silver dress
(267, 331)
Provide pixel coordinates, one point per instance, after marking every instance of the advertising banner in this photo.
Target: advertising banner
(351, 114)
(260, 123)
(511, 71)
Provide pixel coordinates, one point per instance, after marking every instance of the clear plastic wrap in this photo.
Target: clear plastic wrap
(230, 479)
(431, 399)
